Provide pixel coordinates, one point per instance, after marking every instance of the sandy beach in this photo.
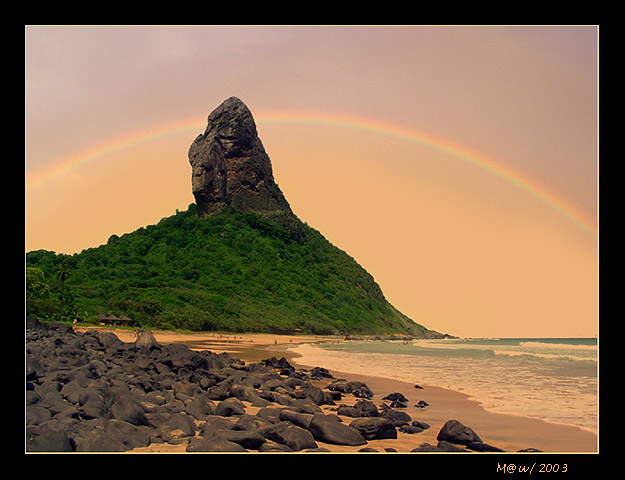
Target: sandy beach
(508, 432)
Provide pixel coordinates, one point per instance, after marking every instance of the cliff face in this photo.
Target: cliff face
(230, 168)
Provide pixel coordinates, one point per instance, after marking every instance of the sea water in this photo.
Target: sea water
(553, 379)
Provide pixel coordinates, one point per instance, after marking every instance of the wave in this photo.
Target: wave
(508, 383)
(556, 356)
(547, 349)
(572, 346)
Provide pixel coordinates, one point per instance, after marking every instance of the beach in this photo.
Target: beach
(510, 433)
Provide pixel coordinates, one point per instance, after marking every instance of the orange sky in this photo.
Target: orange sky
(453, 246)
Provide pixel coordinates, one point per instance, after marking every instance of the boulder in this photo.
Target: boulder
(426, 447)
(398, 418)
(42, 438)
(297, 418)
(177, 426)
(396, 397)
(482, 447)
(250, 422)
(36, 414)
(329, 429)
(230, 406)
(410, 429)
(250, 440)
(97, 440)
(455, 432)
(131, 436)
(285, 433)
(199, 407)
(126, 408)
(366, 408)
(213, 444)
(374, 428)
(446, 446)
(145, 339)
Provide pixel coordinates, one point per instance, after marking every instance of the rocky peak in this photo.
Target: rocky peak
(230, 168)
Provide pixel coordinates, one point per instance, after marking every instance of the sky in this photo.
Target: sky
(457, 164)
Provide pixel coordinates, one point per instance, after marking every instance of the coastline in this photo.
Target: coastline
(508, 432)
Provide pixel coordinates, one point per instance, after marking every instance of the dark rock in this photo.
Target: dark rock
(97, 440)
(131, 436)
(422, 404)
(449, 447)
(426, 447)
(398, 418)
(482, 447)
(296, 418)
(328, 429)
(396, 397)
(145, 339)
(270, 414)
(374, 428)
(410, 429)
(42, 438)
(126, 408)
(285, 433)
(250, 422)
(230, 406)
(315, 394)
(230, 168)
(366, 408)
(34, 369)
(320, 372)
(270, 446)
(417, 423)
(362, 391)
(199, 407)
(36, 414)
(273, 362)
(213, 444)
(455, 432)
(215, 423)
(177, 426)
(304, 405)
(250, 440)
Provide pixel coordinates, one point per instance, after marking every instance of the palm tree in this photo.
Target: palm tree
(61, 273)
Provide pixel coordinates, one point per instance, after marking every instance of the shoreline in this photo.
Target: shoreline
(506, 431)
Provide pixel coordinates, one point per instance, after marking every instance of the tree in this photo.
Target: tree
(61, 273)
(39, 300)
(36, 287)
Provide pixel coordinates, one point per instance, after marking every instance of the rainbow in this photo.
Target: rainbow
(198, 125)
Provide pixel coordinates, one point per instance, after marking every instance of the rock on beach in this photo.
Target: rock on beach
(91, 392)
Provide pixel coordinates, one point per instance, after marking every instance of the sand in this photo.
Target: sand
(508, 432)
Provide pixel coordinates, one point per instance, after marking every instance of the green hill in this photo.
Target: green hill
(235, 271)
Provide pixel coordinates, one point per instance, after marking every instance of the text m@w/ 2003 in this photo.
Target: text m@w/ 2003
(533, 468)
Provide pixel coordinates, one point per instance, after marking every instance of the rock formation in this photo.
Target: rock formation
(230, 168)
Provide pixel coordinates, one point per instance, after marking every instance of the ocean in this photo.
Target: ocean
(553, 379)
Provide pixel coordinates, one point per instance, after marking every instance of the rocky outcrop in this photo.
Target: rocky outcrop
(230, 168)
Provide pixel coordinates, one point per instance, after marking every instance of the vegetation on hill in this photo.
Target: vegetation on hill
(230, 272)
